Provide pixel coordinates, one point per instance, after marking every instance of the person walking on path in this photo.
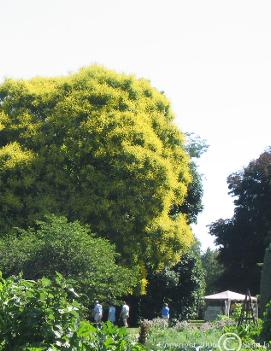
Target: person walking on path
(124, 314)
(165, 312)
(112, 314)
(98, 312)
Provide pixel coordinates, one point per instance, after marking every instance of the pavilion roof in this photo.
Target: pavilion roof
(228, 295)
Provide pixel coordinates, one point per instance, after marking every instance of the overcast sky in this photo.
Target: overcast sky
(212, 59)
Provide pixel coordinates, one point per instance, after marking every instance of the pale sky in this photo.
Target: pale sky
(212, 59)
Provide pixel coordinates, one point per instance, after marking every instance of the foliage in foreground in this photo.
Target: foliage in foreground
(55, 245)
(99, 147)
(45, 315)
(267, 322)
(184, 336)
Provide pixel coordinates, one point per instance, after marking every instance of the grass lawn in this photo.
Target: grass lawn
(133, 331)
(188, 339)
(173, 338)
(169, 337)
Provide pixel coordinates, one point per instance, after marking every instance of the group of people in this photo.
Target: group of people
(98, 313)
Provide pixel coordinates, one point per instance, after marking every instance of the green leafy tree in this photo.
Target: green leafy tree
(193, 202)
(55, 245)
(195, 145)
(213, 270)
(99, 147)
(243, 238)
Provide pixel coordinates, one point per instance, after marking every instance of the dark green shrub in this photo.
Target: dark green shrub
(266, 279)
(56, 245)
(266, 333)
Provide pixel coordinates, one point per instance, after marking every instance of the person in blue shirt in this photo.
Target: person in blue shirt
(165, 311)
(112, 314)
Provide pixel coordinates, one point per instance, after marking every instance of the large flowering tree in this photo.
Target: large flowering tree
(100, 147)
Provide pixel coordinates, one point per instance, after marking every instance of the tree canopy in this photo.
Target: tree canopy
(100, 147)
(244, 237)
(213, 270)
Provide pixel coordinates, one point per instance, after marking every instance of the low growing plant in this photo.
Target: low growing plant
(37, 313)
(249, 333)
(45, 315)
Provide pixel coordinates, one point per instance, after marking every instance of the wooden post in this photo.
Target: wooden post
(247, 313)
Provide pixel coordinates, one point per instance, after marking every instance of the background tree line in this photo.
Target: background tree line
(244, 238)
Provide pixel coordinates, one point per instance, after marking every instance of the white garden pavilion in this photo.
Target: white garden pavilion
(220, 303)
